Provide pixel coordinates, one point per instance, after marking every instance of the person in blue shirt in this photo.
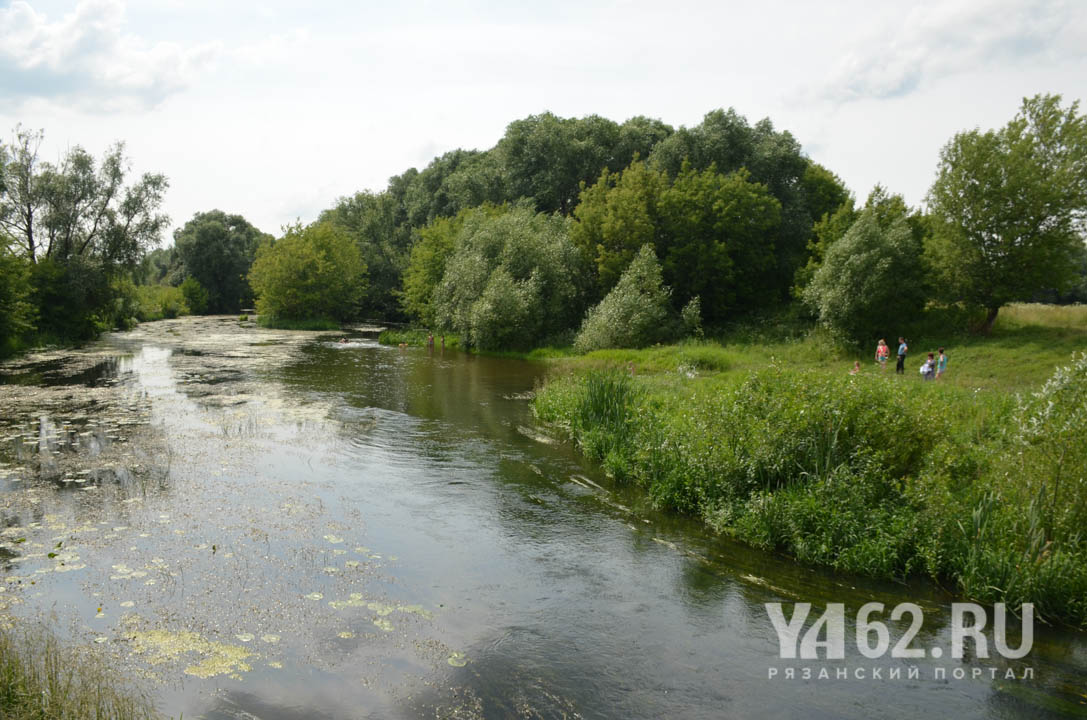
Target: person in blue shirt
(900, 368)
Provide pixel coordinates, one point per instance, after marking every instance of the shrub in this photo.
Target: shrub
(156, 302)
(871, 281)
(635, 312)
(196, 297)
(316, 271)
(512, 281)
(17, 314)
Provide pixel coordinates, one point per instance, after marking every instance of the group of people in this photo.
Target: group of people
(932, 369)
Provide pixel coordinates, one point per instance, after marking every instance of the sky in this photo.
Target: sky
(273, 110)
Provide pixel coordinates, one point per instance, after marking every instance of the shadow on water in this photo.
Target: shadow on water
(54, 373)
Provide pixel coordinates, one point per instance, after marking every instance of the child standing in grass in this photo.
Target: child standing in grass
(941, 364)
(928, 368)
(882, 353)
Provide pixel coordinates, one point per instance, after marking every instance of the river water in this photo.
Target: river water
(255, 523)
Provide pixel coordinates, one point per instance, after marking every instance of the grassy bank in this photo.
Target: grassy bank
(969, 480)
(41, 680)
(277, 323)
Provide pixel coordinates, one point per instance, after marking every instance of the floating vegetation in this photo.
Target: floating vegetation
(244, 637)
(383, 624)
(314, 596)
(331, 570)
(346, 634)
(335, 540)
(270, 639)
(158, 647)
(457, 659)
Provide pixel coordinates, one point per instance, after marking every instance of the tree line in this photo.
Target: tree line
(570, 230)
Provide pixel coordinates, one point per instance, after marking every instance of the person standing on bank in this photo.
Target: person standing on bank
(882, 353)
(941, 364)
(900, 368)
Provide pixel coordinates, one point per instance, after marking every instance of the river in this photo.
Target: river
(272, 524)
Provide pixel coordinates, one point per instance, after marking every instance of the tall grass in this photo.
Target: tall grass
(42, 680)
(871, 473)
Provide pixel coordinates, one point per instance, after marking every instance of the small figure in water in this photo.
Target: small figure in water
(343, 341)
(430, 340)
(443, 342)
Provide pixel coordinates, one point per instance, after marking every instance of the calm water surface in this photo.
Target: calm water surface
(322, 530)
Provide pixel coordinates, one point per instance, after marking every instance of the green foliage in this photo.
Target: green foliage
(427, 266)
(196, 297)
(691, 318)
(617, 216)
(429, 254)
(512, 281)
(17, 314)
(718, 240)
(42, 680)
(316, 271)
(158, 302)
(74, 298)
(714, 233)
(547, 158)
(417, 337)
(634, 314)
(376, 223)
(871, 283)
(775, 159)
(217, 250)
(1008, 207)
(77, 208)
(309, 323)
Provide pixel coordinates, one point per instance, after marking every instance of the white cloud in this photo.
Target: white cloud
(940, 39)
(86, 57)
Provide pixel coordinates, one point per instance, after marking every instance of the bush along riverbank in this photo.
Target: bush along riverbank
(984, 492)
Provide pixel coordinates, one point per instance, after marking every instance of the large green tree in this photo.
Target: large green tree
(871, 282)
(78, 207)
(1009, 206)
(725, 140)
(378, 224)
(311, 272)
(80, 225)
(513, 281)
(714, 233)
(218, 249)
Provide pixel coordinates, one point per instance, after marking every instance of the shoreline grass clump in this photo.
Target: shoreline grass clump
(40, 679)
(979, 491)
